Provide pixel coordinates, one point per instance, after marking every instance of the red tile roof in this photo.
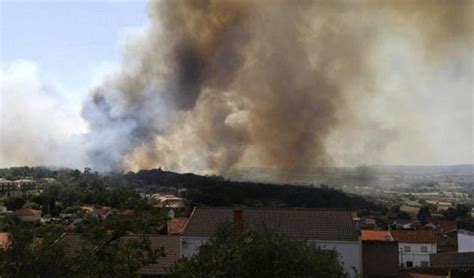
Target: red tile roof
(27, 211)
(305, 223)
(5, 240)
(176, 226)
(376, 235)
(421, 236)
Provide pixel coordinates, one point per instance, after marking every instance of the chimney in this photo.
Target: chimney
(239, 220)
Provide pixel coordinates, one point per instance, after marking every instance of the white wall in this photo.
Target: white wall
(465, 241)
(350, 251)
(350, 254)
(415, 255)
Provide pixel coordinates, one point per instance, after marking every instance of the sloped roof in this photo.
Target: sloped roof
(176, 226)
(421, 236)
(376, 235)
(330, 225)
(170, 244)
(452, 259)
(27, 211)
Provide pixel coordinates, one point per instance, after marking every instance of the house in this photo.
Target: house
(379, 254)
(404, 224)
(171, 201)
(368, 223)
(28, 214)
(102, 213)
(171, 245)
(465, 241)
(329, 229)
(415, 247)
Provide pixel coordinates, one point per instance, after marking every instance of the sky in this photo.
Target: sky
(53, 53)
(72, 43)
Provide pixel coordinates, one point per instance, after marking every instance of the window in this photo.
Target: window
(424, 263)
(409, 264)
(424, 249)
(406, 249)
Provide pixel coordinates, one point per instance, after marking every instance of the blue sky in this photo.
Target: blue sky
(71, 42)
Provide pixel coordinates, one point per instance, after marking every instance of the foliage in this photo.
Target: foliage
(32, 256)
(106, 254)
(14, 202)
(251, 254)
(424, 214)
(459, 211)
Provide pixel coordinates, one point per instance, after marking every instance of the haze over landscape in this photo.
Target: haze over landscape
(216, 86)
(237, 138)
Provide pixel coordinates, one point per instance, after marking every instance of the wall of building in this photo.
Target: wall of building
(380, 259)
(415, 255)
(350, 252)
(465, 241)
(190, 245)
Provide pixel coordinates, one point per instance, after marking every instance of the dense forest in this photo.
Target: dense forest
(208, 190)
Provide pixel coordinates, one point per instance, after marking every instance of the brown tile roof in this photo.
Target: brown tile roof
(312, 224)
(376, 235)
(171, 245)
(452, 259)
(26, 211)
(421, 236)
(5, 240)
(176, 226)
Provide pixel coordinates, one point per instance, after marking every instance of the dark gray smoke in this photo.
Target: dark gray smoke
(216, 83)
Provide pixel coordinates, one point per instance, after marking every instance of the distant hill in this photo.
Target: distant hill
(383, 176)
(217, 191)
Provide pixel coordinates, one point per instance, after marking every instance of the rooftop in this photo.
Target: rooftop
(26, 212)
(421, 236)
(328, 225)
(376, 235)
(176, 226)
(452, 259)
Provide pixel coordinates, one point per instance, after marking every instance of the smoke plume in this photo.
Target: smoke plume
(219, 83)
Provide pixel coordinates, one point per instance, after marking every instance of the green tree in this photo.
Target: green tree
(15, 202)
(105, 253)
(424, 214)
(32, 256)
(250, 254)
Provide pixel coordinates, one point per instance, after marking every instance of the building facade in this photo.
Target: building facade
(328, 229)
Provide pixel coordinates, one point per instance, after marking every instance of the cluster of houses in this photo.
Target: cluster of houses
(366, 250)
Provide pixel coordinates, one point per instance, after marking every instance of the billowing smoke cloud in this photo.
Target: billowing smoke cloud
(220, 83)
(38, 125)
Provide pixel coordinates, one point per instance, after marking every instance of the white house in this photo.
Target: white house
(329, 229)
(415, 247)
(465, 241)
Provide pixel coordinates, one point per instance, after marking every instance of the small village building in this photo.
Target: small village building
(28, 214)
(415, 247)
(329, 229)
(379, 254)
(465, 241)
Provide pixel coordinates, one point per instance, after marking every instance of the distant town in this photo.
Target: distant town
(391, 231)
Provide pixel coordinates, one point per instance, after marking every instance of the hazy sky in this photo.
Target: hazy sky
(52, 53)
(73, 43)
